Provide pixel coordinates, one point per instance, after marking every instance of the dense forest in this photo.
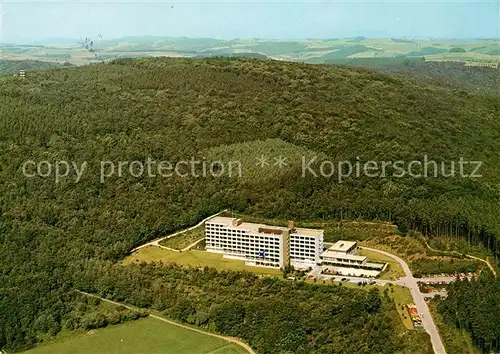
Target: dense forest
(272, 315)
(13, 66)
(475, 307)
(52, 232)
(451, 74)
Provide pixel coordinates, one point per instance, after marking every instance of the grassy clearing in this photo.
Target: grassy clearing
(421, 260)
(406, 248)
(143, 336)
(453, 244)
(185, 239)
(459, 246)
(401, 297)
(246, 152)
(195, 258)
(447, 266)
(394, 270)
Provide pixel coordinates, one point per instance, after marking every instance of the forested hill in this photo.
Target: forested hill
(475, 307)
(451, 74)
(14, 66)
(220, 109)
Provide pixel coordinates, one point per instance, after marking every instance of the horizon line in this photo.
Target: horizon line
(47, 40)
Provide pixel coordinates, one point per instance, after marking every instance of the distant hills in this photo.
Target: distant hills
(309, 50)
(55, 237)
(464, 64)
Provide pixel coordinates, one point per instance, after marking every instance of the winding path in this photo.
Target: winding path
(228, 339)
(157, 241)
(411, 283)
(466, 255)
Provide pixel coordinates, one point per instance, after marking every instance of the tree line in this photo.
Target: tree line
(475, 307)
(173, 109)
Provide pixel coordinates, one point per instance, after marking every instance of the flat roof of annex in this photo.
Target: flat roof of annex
(342, 246)
(235, 223)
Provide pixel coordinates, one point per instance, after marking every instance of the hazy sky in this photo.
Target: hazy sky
(34, 20)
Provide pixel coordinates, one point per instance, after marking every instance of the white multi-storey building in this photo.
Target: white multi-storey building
(306, 246)
(263, 245)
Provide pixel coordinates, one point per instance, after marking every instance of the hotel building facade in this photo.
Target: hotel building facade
(263, 245)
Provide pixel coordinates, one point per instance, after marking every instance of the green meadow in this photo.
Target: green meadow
(144, 336)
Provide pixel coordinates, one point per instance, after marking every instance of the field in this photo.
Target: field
(195, 258)
(143, 336)
(402, 297)
(312, 50)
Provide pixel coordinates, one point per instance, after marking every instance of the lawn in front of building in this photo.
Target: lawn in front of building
(393, 271)
(195, 258)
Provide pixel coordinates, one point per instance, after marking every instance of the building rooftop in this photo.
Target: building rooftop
(339, 255)
(342, 246)
(225, 220)
(235, 223)
(307, 232)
